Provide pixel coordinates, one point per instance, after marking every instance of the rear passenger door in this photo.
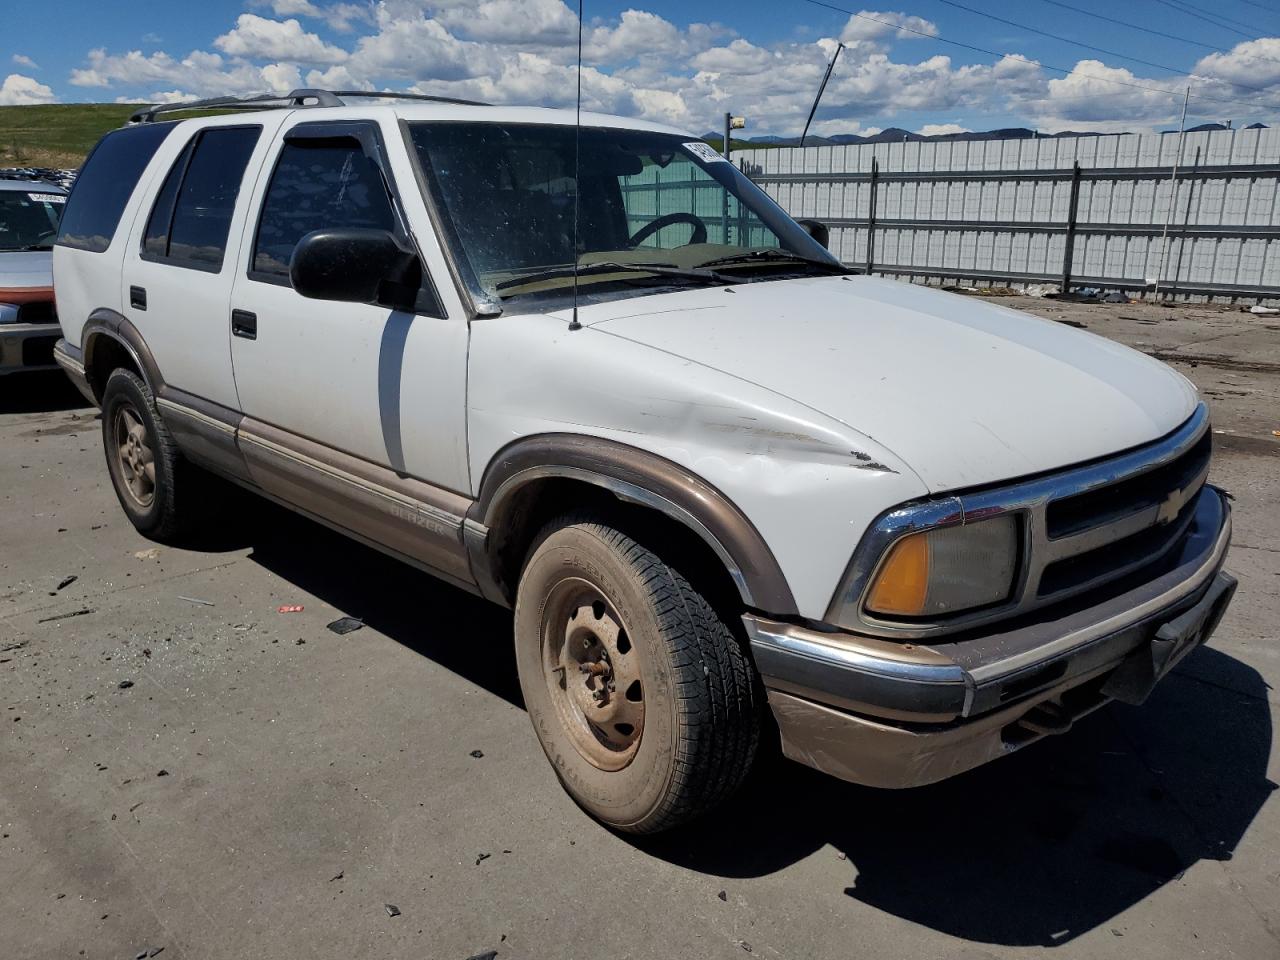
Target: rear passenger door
(179, 264)
(384, 386)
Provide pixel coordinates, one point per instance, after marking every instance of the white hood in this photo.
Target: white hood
(25, 268)
(965, 392)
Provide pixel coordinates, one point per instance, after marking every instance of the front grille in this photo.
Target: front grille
(1111, 529)
(1095, 508)
(38, 351)
(41, 312)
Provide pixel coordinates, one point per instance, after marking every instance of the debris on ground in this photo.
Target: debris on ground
(203, 603)
(487, 955)
(343, 625)
(66, 582)
(1259, 308)
(10, 647)
(64, 616)
(1039, 290)
(744, 945)
(483, 857)
(149, 554)
(477, 754)
(338, 876)
(392, 909)
(723, 895)
(289, 608)
(1070, 323)
(1114, 296)
(125, 684)
(163, 773)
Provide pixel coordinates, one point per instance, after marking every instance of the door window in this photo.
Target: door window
(316, 185)
(192, 215)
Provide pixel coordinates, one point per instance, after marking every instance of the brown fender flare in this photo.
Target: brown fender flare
(645, 478)
(107, 323)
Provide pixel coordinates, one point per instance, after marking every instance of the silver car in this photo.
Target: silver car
(30, 211)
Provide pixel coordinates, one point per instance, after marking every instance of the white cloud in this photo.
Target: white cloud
(23, 60)
(941, 129)
(258, 38)
(18, 90)
(874, 25)
(642, 64)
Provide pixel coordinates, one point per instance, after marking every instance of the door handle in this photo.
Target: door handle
(137, 298)
(244, 324)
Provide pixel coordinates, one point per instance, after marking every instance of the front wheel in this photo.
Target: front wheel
(642, 697)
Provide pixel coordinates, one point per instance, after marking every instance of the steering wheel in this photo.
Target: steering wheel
(666, 220)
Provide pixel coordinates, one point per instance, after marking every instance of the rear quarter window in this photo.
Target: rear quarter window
(105, 184)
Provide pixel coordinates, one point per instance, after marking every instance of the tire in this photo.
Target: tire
(147, 471)
(606, 629)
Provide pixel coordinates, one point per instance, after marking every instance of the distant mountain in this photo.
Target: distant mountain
(898, 135)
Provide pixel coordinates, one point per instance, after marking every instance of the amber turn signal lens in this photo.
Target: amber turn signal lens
(903, 582)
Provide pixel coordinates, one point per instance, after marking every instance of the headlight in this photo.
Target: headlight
(8, 313)
(942, 571)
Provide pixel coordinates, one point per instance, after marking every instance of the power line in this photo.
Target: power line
(1087, 46)
(1159, 33)
(1261, 6)
(1191, 12)
(1035, 63)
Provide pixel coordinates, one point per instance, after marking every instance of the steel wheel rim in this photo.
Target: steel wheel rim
(134, 457)
(592, 673)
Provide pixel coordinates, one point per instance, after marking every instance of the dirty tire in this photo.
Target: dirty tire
(698, 702)
(147, 484)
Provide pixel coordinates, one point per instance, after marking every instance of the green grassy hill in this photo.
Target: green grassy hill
(56, 135)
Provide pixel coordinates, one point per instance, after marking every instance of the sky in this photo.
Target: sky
(931, 66)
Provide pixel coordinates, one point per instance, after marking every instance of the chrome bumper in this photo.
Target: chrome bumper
(896, 714)
(17, 341)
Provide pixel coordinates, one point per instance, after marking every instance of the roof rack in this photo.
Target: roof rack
(302, 97)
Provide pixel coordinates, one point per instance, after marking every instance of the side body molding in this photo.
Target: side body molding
(639, 477)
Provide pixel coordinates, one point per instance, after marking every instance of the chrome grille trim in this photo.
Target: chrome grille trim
(1029, 500)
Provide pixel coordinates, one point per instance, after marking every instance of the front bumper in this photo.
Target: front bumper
(891, 714)
(27, 346)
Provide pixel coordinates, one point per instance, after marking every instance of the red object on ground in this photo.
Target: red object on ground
(290, 608)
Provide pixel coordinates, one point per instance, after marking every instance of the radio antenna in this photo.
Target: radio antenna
(577, 183)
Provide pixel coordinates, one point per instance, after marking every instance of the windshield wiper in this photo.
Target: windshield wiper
(764, 257)
(699, 274)
(33, 246)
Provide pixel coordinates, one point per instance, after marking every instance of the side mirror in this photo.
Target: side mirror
(818, 230)
(356, 265)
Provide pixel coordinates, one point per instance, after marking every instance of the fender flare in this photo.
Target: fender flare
(644, 478)
(104, 322)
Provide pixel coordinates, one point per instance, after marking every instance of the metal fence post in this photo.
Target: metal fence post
(1069, 248)
(871, 216)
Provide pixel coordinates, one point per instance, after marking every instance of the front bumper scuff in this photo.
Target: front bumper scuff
(897, 715)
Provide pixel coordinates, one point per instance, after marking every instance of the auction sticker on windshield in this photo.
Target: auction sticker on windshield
(703, 152)
(47, 197)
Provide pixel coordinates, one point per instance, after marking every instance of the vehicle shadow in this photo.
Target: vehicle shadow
(1036, 848)
(451, 627)
(43, 391)
(1032, 850)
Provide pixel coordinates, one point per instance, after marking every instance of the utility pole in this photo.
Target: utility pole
(821, 87)
(1173, 190)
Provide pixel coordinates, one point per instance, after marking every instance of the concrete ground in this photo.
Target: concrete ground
(182, 767)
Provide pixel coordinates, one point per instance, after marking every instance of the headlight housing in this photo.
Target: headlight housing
(8, 313)
(935, 573)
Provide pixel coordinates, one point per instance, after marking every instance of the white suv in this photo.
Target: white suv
(724, 473)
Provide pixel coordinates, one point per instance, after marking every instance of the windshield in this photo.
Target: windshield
(29, 221)
(507, 193)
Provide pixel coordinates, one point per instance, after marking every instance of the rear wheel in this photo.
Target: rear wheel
(642, 697)
(146, 469)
